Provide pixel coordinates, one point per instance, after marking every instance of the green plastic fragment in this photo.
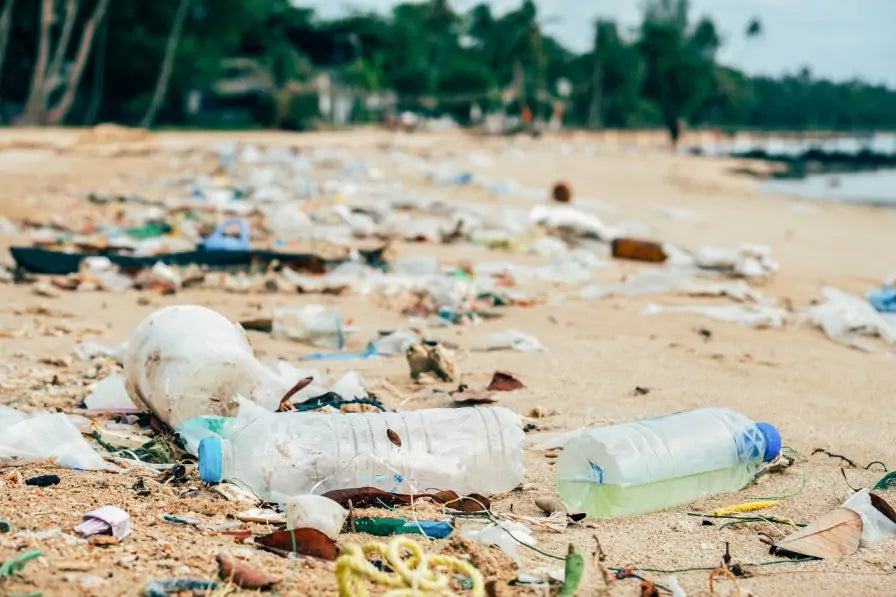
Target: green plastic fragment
(10, 567)
(887, 482)
(575, 566)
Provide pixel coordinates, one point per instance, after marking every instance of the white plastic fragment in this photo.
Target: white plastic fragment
(106, 520)
(35, 438)
(316, 512)
(505, 534)
(315, 324)
(755, 316)
(850, 320)
(515, 340)
(876, 527)
(110, 394)
(570, 218)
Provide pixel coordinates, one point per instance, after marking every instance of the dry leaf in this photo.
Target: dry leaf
(242, 574)
(309, 542)
(393, 437)
(504, 382)
(467, 397)
(882, 506)
(834, 535)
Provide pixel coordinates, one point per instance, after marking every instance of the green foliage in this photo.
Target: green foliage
(254, 62)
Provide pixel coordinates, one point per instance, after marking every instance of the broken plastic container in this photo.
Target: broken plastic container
(277, 456)
(652, 464)
(186, 361)
(315, 324)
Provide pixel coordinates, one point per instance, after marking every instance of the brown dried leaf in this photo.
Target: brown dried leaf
(309, 542)
(472, 397)
(503, 381)
(242, 574)
(834, 535)
(882, 506)
(393, 437)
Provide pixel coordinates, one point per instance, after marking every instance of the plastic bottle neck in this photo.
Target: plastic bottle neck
(227, 464)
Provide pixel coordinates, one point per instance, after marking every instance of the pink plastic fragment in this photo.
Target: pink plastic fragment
(106, 520)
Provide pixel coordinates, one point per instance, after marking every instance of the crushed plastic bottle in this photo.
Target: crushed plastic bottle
(645, 466)
(282, 455)
(186, 361)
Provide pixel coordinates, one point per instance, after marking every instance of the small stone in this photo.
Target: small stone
(44, 289)
(549, 504)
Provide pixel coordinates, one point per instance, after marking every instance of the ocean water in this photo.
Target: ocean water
(873, 187)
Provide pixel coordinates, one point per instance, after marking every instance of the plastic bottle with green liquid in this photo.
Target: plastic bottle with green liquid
(648, 465)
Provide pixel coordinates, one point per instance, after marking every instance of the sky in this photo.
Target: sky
(836, 39)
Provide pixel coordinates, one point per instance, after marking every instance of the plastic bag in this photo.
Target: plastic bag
(515, 340)
(849, 319)
(35, 438)
(754, 316)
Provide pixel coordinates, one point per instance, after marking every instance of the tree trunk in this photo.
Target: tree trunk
(54, 73)
(595, 112)
(58, 112)
(158, 97)
(5, 26)
(99, 76)
(37, 101)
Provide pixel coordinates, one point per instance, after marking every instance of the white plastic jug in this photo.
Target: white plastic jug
(186, 361)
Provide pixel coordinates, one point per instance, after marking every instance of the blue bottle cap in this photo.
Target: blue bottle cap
(211, 459)
(772, 441)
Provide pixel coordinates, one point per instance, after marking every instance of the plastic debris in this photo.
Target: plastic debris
(850, 320)
(385, 527)
(106, 520)
(572, 577)
(883, 299)
(756, 316)
(514, 340)
(505, 534)
(314, 324)
(110, 394)
(35, 438)
(748, 261)
(165, 587)
(316, 512)
(876, 525)
(441, 447)
(187, 361)
(17, 564)
(423, 572)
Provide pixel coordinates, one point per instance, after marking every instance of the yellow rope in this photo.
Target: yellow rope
(747, 507)
(414, 575)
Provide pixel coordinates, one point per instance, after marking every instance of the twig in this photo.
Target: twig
(300, 385)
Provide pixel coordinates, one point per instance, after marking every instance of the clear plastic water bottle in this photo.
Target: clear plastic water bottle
(648, 465)
(277, 456)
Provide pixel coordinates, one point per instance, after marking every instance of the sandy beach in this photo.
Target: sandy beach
(819, 393)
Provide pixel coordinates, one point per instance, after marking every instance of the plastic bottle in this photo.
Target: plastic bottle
(187, 361)
(649, 465)
(467, 450)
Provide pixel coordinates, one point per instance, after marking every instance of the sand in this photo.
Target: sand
(820, 394)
